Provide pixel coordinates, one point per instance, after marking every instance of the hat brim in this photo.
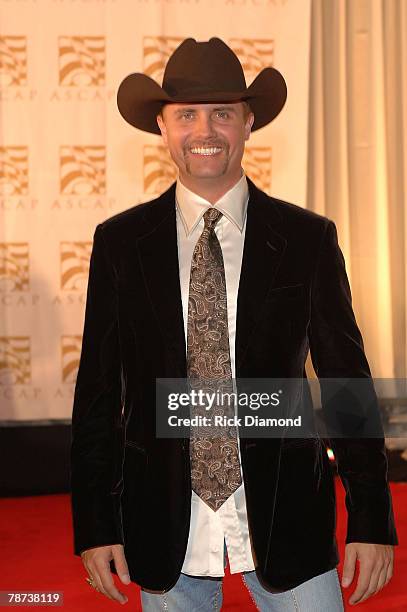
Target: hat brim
(140, 99)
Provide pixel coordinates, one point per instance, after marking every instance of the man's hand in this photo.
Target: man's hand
(96, 561)
(375, 568)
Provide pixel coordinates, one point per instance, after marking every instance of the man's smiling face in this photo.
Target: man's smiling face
(206, 141)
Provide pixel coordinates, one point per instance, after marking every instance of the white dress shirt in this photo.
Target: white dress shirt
(209, 530)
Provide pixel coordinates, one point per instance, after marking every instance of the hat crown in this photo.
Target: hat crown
(202, 67)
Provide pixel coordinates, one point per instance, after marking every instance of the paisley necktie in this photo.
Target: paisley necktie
(215, 469)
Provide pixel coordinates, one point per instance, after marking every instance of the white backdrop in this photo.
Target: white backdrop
(68, 160)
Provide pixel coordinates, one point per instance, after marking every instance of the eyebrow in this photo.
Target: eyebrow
(184, 110)
(226, 108)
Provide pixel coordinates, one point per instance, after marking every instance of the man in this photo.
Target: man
(213, 280)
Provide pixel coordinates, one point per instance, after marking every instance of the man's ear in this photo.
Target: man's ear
(162, 127)
(248, 126)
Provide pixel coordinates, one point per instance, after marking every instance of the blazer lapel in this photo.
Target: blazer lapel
(263, 249)
(158, 256)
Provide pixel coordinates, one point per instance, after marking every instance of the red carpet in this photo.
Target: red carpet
(36, 554)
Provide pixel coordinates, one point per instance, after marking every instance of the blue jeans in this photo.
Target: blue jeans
(201, 594)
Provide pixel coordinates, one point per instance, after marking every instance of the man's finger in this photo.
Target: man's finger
(349, 566)
(365, 571)
(98, 583)
(121, 564)
(108, 585)
(382, 579)
(373, 582)
(389, 572)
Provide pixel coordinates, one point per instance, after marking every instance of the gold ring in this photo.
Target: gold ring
(92, 583)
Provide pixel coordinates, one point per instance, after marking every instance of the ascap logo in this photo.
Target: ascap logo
(13, 60)
(257, 165)
(156, 51)
(15, 360)
(81, 61)
(158, 169)
(83, 179)
(14, 276)
(82, 170)
(75, 257)
(14, 266)
(13, 171)
(253, 53)
(70, 352)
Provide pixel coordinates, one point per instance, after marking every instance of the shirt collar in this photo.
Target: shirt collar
(233, 204)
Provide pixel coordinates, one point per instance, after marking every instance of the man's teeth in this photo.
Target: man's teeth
(205, 150)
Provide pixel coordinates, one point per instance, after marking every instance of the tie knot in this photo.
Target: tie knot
(211, 217)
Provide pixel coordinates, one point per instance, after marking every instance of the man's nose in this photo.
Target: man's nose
(204, 125)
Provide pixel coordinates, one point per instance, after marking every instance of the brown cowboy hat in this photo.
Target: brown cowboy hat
(200, 72)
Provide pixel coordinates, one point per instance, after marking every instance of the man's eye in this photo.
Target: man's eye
(222, 114)
(187, 115)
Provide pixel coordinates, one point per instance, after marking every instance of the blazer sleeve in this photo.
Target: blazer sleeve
(97, 431)
(350, 404)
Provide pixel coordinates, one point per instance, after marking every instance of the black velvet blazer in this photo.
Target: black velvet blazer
(130, 487)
